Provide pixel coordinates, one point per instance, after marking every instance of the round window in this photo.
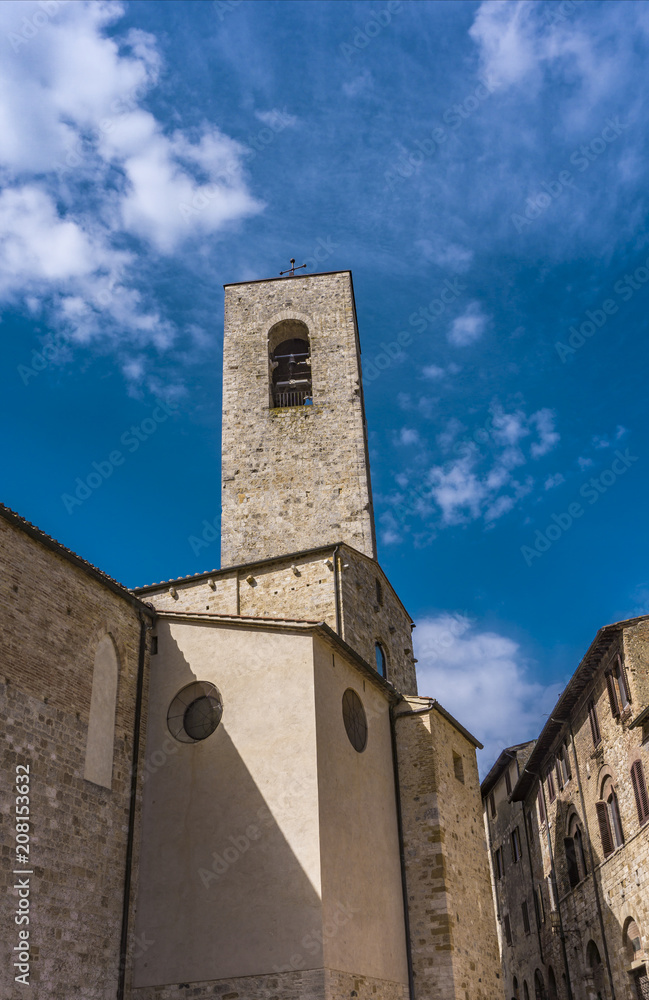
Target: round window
(355, 720)
(195, 712)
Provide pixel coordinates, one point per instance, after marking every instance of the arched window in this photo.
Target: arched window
(517, 992)
(526, 992)
(632, 941)
(552, 985)
(575, 857)
(101, 723)
(597, 969)
(290, 364)
(608, 815)
(381, 664)
(539, 988)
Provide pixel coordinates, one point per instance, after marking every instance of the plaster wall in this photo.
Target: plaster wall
(362, 893)
(231, 876)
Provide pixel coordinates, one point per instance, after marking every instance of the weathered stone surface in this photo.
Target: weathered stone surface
(53, 617)
(590, 912)
(294, 477)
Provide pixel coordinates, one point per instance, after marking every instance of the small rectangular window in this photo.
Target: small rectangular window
(508, 782)
(508, 929)
(516, 846)
(154, 645)
(594, 723)
(541, 805)
(499, 863)
(526, 918)
(492, 805)
(458, 767)
(571, 861)
(379, 593)
(551, 791)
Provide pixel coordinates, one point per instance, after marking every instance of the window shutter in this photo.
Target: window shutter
(566, 757)
(640, 791)
(612, 697)
(594, 723)
(551, 792)
(617, 820)
(559, 772)
(625, 679)
(541, 805)
(604, 828)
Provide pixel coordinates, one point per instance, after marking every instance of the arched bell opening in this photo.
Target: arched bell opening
(290, 364)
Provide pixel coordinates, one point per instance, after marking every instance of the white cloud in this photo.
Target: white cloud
(478, 480)
(446, 254)
(84, 166)
(548, 436)
(433, 372)
(277, 119)
(552, 481)
(408, 435)
(468, 327)
(482, 678)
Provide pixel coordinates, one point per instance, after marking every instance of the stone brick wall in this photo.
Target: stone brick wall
(593, 913)
(294, 477)
(320, 984)
(53, 616)
(369, 617)
(452, 925)
(303, 587)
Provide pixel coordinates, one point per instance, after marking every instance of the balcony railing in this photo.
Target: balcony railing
(291, 397)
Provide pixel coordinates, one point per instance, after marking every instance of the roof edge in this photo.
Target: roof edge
(57, 547)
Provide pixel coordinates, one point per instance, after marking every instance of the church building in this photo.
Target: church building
(236, 789)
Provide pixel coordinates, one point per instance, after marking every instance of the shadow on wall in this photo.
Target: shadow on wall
(578, 890)
(222, 893)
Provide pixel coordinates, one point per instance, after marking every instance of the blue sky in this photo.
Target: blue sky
(481, 169)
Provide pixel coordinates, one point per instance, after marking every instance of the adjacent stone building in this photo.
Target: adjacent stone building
(573, 910)
(237, 791)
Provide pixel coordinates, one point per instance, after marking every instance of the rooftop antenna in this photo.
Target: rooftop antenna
(292, 269)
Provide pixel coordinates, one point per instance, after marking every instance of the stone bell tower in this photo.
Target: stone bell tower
(295, 472)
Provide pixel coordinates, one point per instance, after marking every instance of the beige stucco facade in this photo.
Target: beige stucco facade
(272, 846)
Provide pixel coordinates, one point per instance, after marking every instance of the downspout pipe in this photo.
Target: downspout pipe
(402, 858)
(337, 589)
(137, 725)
